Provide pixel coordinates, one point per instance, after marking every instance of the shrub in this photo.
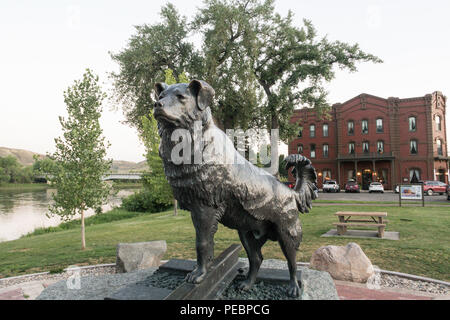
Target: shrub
(145, 201)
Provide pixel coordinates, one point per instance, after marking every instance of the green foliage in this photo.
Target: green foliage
(43, 166)
(157, 193)
(145, 201)
(154, 181)
(3, 176)
(80, 152)
(289, 64)
(282, 168)
(11, 171)
(149, 54)
(260, 64)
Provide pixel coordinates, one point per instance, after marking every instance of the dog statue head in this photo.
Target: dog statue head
(181, 104)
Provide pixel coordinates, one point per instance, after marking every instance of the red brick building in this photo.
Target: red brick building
(369, 138)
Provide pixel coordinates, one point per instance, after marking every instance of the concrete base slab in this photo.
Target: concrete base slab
(365, 234)
(139, 291)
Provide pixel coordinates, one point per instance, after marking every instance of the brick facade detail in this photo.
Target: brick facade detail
(395, 152)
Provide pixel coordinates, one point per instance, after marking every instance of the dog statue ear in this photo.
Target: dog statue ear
(160, 87)
(203, 92)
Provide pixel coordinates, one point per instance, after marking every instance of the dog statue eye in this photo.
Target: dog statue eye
(181, 97)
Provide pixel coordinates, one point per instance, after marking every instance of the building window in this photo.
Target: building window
(412, 123)
(380, 146)
(365, 126)
(300, 131)
(312, 131)
(438, 122)
(326, 174)
(439, 147)
(350, 127)
(325, 130)
(351, 148)
(325, 151)
(413, 146)
(365, 146)
(414, 175)
(379, 125)
(313, 150)
(299, 149)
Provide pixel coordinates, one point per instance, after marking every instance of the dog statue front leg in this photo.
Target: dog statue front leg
(205, 228)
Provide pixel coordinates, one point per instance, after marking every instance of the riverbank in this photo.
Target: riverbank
(24, 186)
(43, 186)
(422, 249)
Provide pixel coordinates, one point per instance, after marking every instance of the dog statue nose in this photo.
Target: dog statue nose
(158, 104)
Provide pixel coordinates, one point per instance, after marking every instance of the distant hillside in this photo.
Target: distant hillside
(25, 158)
(119, 166)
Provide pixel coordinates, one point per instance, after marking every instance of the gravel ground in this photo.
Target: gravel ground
(260, 291)
(391, 281)
(386, 280)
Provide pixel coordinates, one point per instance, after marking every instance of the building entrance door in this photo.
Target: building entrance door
(441, 175)
(366, 179)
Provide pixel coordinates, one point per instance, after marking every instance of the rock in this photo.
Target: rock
(347, 263)
(317, 285)
(140, 255)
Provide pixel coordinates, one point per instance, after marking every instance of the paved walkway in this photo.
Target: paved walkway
(24, 291)
(358, 291)
(346, 291)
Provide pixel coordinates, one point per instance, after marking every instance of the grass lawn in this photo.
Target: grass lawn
(423, 248)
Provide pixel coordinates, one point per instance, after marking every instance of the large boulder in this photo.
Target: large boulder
(347, 263)
(139, 255)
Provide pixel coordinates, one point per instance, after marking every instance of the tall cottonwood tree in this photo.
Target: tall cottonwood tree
(289, 63)
(260, 64)
(80, 154)
(149, 53)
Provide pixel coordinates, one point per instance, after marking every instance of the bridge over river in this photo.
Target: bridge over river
(123, 176)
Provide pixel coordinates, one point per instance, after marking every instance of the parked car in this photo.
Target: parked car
(448, 192)
(352, 186)
(432, 187)
(289, 184)
(331, 186)
(376, 187)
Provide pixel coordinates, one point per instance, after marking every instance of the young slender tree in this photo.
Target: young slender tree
(80, 154)
(156, 180)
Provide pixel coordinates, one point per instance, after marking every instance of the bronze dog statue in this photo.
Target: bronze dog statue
(224, 187)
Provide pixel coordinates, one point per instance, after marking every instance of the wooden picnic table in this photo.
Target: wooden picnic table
(372, 219)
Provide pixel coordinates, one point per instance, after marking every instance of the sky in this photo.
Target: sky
(45, 45)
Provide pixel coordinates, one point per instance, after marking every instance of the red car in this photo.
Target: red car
(352, 186)
(290, 185)
(432, 187)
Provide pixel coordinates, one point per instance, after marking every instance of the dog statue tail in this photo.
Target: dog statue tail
(306, 180)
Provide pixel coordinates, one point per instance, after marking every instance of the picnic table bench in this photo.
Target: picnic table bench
(372, 219)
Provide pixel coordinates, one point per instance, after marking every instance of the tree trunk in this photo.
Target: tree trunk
(274, 152)
(175, 207)
(83, 238)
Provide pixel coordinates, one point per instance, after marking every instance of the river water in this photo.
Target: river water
(23, 211)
